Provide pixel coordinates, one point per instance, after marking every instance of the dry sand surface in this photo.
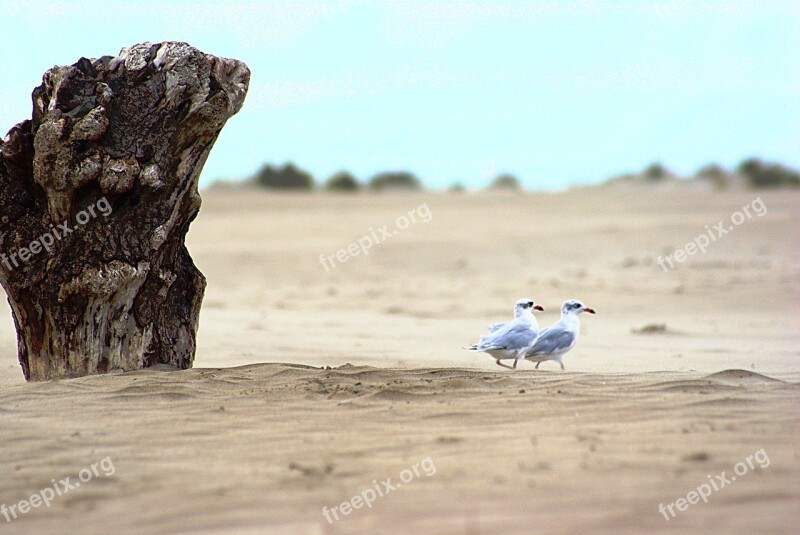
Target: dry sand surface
(262, 435)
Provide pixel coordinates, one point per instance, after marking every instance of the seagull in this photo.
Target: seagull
(557, 339)
(508, 340)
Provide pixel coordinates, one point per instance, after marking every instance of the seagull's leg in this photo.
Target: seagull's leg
(562, 365)
(537, 365)
(503, 365)
(518, 356)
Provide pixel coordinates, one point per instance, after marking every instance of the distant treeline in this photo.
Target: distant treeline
(753, 172)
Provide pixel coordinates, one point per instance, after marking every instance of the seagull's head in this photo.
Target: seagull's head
(573, 306)
(525, 304)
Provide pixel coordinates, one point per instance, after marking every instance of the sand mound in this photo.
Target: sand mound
(739, 377)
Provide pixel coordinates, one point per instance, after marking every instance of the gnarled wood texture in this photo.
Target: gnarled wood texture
(97, 191)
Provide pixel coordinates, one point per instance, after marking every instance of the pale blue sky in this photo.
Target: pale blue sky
(558, 93)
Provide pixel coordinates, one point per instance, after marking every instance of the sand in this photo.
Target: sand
(314, 386)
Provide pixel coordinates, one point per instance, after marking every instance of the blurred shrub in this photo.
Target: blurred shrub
(505, 182)
(711, 171)
(655, 172)
(288, 176)
(760, 174)
(342, 181)
(457, 187)
(394, 180)
(714, 173)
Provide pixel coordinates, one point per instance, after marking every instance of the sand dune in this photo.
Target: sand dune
(313, 386)
(264, 447)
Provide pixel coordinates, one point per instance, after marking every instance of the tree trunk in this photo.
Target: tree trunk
(97, 192)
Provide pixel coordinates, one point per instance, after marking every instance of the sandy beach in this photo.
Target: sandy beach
(316, 379)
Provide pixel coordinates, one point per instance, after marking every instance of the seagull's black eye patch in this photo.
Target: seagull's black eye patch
(530, 304)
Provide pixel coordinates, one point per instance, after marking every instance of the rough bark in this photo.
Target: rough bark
(113, 151)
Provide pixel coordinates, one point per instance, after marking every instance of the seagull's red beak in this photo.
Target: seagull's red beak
(539, 308)
(589, 310)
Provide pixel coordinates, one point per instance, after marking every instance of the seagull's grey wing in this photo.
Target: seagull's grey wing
(496, 326)
(495, 331)
(516, 335)
(551, 340)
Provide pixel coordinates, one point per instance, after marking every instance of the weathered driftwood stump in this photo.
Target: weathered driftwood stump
(97, 192)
